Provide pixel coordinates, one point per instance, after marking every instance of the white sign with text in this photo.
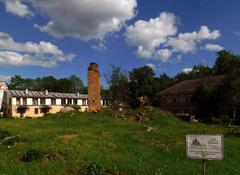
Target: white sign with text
(209, 147)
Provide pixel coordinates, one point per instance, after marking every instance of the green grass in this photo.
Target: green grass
(71, 142)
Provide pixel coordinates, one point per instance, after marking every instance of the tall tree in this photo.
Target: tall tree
(226, 62)
(143, 83)
(118, 85)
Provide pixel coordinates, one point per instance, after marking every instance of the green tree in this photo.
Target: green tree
(118, 85)
(226, 62)
(206, 99)
(143, 83)
(77, 84)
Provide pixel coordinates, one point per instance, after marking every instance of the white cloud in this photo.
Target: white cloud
(83, 18)
(5, 78)
(147, 36)
(187, 70)
(214, 47)
(7, 42)
(157, 38)
(187, 42)
(100, 46)
(16, 7)
(163, 54)
(43, 54)
(141, 52)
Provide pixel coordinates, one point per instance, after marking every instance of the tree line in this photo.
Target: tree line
(72, 84)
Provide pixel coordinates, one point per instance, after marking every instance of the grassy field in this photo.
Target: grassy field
(79, 143)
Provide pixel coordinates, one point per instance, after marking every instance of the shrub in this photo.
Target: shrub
(32, 155)
(94, 169)
(4, 134)
(11, 140)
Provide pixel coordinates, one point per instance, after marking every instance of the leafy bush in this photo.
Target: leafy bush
(94, 169)
(4, 134)
(11, 140)
(233, 132)
(32, 155)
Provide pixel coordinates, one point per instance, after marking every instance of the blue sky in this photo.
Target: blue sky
(61, 37)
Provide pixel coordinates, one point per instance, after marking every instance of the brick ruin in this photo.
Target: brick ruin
(94, 97)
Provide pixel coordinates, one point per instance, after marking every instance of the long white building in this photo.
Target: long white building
(26, 103)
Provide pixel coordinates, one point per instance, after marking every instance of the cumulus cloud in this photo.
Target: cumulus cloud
(163, 54)
(147, 36)
(187, 70)
(157, 38)
(43, 54)
(214, 47)
(186, 42)
(83, 18)
(16, 7)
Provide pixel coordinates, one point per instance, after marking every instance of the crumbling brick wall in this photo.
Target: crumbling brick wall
(94, 97)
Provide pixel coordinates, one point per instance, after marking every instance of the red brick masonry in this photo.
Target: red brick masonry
(94, 97)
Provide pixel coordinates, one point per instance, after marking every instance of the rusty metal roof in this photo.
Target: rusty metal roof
(43, 94)
(189, 86)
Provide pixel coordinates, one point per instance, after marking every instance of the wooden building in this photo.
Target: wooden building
(178, 98)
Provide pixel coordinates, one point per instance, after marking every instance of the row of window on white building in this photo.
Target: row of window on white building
(47, 101)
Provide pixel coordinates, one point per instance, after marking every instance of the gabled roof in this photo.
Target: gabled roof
(43, 94)
(189, 86)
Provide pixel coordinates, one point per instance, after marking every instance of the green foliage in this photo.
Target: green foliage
(4, 134)
(142, 83)
(94, 169)
(118, 85)
(226, 62)
(72, 84)
(205, 98)
(32, 155)
(11, 140)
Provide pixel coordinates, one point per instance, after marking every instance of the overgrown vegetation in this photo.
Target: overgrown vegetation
(81, 143)
(215, 104)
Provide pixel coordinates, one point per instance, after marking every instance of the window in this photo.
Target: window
(44, 110)
(36, 111)
(10, 101)
(18, 101)
(63, 101)
(53, 101)
(75, 101)
(35, 101)
(42, 101)
(69, 101)
(24, 101)
(84, 102)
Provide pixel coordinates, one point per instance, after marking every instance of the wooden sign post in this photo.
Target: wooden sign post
(205, 147)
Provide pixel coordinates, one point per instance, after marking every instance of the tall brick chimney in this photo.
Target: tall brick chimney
(94, 97)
